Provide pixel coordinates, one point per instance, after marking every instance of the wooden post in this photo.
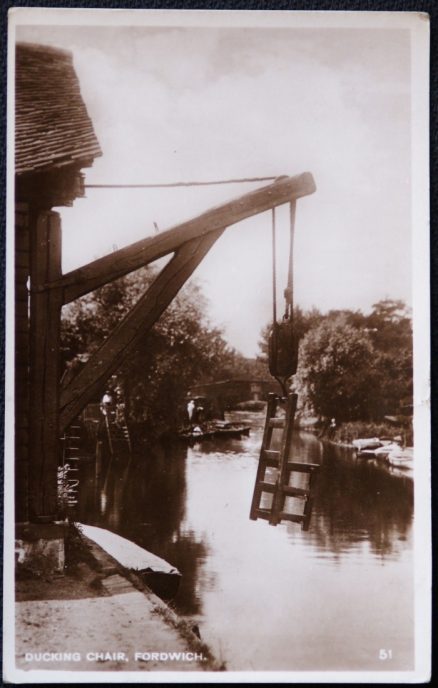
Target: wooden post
(283, 470)
(266, 443)
(22, 253)
(97, 471)
(45, 312)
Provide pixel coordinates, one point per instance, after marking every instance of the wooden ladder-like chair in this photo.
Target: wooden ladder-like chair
(281, 488)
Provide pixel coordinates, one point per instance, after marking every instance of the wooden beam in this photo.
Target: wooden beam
(126, 336)
(277, 509)
(45, 314)
(93, 275)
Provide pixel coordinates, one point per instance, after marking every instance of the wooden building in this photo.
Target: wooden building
(54, 141)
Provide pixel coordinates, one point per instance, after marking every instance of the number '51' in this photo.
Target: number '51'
(385, 654)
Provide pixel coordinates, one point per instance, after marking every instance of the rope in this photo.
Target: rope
(289, 291)
(274, 298)
(274, 272)
(179, 184)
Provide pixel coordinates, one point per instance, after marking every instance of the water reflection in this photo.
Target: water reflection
(143, 499)
(190, 505)
(356, 501)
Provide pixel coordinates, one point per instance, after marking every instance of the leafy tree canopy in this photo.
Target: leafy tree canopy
(353, 366)
(181, 350)
(336, 369)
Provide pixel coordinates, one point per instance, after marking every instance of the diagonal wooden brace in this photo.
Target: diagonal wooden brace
(126, 336)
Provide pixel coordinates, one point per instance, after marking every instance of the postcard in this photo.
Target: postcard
(217, 453)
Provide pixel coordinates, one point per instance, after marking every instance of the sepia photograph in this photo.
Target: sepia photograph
(217, 444)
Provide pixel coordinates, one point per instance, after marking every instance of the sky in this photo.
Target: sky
(194, 103)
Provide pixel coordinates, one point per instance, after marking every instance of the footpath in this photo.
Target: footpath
(102, 618)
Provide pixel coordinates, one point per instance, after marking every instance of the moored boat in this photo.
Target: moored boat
(401, 457)
(391, 452)
(367, 443)
(367, 453)
(160, 576)
(386, 449)
(213, 430)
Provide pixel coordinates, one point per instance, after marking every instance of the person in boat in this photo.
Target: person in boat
(200, 415)
(190, 410)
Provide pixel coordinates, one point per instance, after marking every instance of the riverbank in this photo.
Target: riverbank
(345, 433)
(191, 507)
(100, 617)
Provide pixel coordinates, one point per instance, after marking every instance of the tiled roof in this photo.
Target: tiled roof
(51, 122)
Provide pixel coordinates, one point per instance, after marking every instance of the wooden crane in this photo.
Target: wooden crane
(54, 405)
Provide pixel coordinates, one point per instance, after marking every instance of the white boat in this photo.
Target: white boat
(158, 574)
(368, 443)
(384, 451)
(401, 458)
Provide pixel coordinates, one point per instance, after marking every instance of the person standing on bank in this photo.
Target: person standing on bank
(106, 402)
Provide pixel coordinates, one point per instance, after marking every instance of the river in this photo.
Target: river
(336, 597)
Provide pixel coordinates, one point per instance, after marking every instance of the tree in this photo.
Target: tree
(390, 325)
(395, 382)
(336, 370)
(332, 379)
(181, 350)
(390, 328)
